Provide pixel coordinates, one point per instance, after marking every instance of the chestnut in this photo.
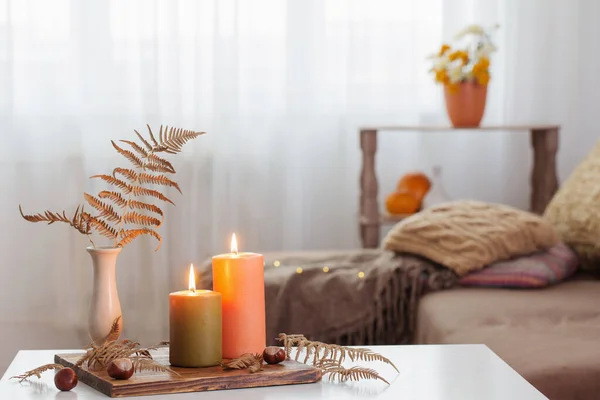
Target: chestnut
(65, 379)
(273, 355)
(120, 368)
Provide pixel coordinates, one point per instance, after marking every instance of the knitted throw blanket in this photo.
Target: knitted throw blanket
(343, 305)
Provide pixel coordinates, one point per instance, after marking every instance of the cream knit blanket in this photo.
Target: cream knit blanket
(468, 235)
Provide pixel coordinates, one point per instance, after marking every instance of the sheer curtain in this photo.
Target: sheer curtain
(281, 87)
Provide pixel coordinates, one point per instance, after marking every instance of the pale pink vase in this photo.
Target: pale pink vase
(466, 106)
(105, 307)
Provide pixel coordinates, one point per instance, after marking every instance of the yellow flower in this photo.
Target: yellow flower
(484, 62)
(444, 49)
(441, 76)
(453, 88)
(483, 78)
(481, 72)
(459, 55)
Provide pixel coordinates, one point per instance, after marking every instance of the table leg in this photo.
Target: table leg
(369, 207)
(544, 178)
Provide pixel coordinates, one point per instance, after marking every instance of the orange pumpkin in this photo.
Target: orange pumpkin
(416, 183)
(402, 202)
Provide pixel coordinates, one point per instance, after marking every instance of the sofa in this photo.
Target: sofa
(549, 336)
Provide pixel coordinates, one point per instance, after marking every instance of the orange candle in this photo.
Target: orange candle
(239, 277)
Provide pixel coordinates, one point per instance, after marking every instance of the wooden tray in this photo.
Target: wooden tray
(145, 383)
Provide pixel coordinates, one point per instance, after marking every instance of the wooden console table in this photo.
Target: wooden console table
(544, 181)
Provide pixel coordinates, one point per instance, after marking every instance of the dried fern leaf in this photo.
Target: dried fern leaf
(148, 364)
(152, 136)
(130, 174)
(48, 216)
(80, 222)
(175, 138)
(106, 210)
(124, 186)
(37, 371)
(130, 235)
(160, 134)
(360, 354)
(115, 197)
(99, 356)
(139, 135)
(329, 350)
(133, 217)
(157, 168)
(140, 205)
(251, 361)
(157, 180)
(128, 155)
(301, 347)
(115, 330)
(139, 149)
(353, 374)
(289, 341)
(51, 217)
(141, 191)
(103, 228)
(158, 161)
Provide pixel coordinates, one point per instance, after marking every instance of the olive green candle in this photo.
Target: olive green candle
(195, 327)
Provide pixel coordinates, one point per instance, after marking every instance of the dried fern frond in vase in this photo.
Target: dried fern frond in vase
(125, 212)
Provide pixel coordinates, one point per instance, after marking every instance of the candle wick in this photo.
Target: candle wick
(193, 290)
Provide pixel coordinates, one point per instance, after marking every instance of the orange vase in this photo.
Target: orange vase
(466, 106)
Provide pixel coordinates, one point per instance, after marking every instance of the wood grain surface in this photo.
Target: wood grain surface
(192, 379)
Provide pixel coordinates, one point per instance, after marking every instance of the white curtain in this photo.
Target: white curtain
(281, 87)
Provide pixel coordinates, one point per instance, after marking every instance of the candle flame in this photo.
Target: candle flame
(234, 246)
(192, 279)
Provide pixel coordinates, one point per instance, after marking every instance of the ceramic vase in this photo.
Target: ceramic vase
(105, 307)
(466, 106)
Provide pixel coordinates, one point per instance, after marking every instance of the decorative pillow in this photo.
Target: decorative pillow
(575, 211)
(535, 270)
(468, 235)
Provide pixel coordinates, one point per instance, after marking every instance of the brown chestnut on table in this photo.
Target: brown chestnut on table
(65, 379)
(273, 355)
(120, 368)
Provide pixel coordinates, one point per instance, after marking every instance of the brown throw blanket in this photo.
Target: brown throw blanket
(340, 307)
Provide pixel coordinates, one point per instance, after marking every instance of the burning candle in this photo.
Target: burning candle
(195, 326)
(239, 277)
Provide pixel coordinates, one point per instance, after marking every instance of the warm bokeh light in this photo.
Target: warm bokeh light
(192, 279)
(361, 274)
(325, 269)
(234, 246)
(298, 270)
(276, 263)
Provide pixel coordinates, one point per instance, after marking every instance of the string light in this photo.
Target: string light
(361, 274)
(298, 270)
(276, 264)
(325, 269)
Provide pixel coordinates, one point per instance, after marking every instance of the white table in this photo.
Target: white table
(428, 372)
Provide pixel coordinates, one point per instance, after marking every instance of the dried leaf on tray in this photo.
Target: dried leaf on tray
(251, 361)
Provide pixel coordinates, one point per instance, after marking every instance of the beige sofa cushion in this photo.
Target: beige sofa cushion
(468, 235)
(575, 211)
(549, 336)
